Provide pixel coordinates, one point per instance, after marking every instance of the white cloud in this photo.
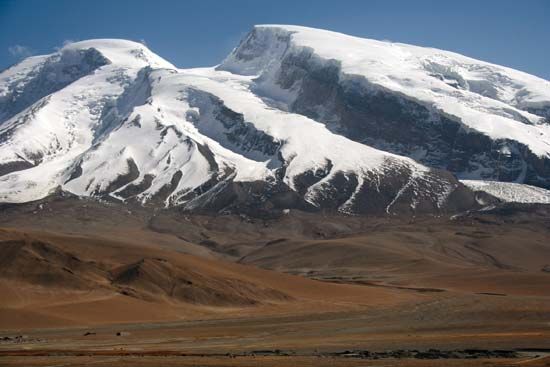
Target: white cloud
(65, 43)
(19, 51)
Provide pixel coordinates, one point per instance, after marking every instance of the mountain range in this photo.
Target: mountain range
(293, 118)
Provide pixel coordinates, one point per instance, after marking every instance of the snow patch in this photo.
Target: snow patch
(510, 191)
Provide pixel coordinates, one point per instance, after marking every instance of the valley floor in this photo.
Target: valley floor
(131, 288)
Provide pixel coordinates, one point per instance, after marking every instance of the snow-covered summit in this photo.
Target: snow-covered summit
(497, 101)
(293, 118)
(121, 52)
(385, 61)
(382, 59)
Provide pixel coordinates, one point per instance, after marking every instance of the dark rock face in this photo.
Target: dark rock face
(307, 179)
(541, 111)
(169, 188)
(56, 73)
(369, 114)
(398, 193)
(9, 167)
(134, 189)
(116, 112)
(121, 180)
(230, 129)
(76, 172)
(257, 199)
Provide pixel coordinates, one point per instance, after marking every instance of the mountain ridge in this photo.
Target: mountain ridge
(112, 120)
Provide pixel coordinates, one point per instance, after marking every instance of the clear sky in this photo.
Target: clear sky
(514, 33)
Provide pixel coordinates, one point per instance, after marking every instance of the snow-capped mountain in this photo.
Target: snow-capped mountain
(443, 109)
(293, 118)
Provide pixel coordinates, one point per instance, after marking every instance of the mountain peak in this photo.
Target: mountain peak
(499, 102)
(122, 52)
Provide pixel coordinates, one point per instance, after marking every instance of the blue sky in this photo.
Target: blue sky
(200, 33)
